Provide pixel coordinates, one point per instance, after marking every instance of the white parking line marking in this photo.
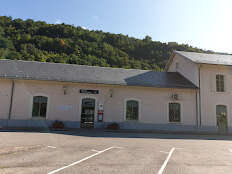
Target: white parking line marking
(95, 150)
(180, 148)
(116, 147)
(164, 152)
(84, 159)
(161, 170)
(52, 147)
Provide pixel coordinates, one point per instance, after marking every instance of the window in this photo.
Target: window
(174, 112)
(39, 106)
(132, 110)
(221, 113)
(220, 83)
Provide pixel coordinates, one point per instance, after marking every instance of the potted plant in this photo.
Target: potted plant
(58, 125)
(113, 126)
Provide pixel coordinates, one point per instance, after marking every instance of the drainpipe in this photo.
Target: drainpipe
(199, 71)
(197, 114)
(11, 99)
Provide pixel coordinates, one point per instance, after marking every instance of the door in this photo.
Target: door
(87, 113)
(221, 112)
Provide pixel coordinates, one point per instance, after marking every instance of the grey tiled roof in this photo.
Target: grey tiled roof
(217, 59)
(32, 70)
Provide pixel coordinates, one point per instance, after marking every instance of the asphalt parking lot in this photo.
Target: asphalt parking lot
(101, 152)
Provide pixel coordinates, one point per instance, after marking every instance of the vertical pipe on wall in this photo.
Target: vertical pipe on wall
(197, 109)
(11, 98)
(199, 71)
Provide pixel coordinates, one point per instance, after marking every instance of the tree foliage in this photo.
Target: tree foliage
(61, 43)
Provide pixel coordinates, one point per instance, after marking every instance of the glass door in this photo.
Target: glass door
(87, 113)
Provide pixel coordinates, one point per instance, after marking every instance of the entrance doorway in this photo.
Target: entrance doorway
(87, 113)
(221, 112)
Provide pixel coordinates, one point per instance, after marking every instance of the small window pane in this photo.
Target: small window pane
(132, 110)
(220, 87)
(39, 106)
(43, 99)
(43, 110)
(221, 110)
(174, 112)
(35, 111)
(88, 102)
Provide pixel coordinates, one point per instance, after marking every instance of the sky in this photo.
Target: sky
(205, 24)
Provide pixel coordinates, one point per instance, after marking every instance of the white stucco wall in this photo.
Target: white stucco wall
(208, 95)
(154, 101)
(210, 98)
(5, 92)
(186, 68)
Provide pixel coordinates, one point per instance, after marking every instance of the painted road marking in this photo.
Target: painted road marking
(95, 150)
(53, 147)
(164, 152)
(84, 159)
(161, 170)
(179, 148)
(116, 147)
(230, 150)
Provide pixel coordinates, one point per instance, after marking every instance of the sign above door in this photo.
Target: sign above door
(89, 91)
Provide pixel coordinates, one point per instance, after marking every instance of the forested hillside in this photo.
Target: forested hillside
(39, 41)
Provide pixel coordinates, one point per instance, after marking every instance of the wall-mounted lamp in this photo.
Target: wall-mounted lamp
(65, 88)
(111, 93)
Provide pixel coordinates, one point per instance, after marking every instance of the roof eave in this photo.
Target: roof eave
(63, 81)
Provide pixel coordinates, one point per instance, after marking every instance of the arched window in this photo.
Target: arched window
(174, 112)
(221, 113)
(132, 110)
(39, 106)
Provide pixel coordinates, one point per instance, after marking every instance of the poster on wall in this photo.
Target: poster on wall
(64, 108)
(100, 112)
(100, 117)
(100, 107)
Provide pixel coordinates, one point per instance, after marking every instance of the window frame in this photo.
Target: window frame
(224, 86)
(32, 103)
(139, 108)
(181, 112)
(227, 112)
(96, 106)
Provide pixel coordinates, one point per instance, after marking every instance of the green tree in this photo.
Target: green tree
(61, 43)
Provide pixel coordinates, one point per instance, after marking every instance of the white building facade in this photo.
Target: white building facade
(211, 73)
(189, 96)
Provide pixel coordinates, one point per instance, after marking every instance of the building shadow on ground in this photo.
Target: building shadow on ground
(129, 134)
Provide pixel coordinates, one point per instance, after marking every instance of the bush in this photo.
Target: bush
(113, 126)
(58, 125)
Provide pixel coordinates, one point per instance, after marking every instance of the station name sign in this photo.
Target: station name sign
(89, 91)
